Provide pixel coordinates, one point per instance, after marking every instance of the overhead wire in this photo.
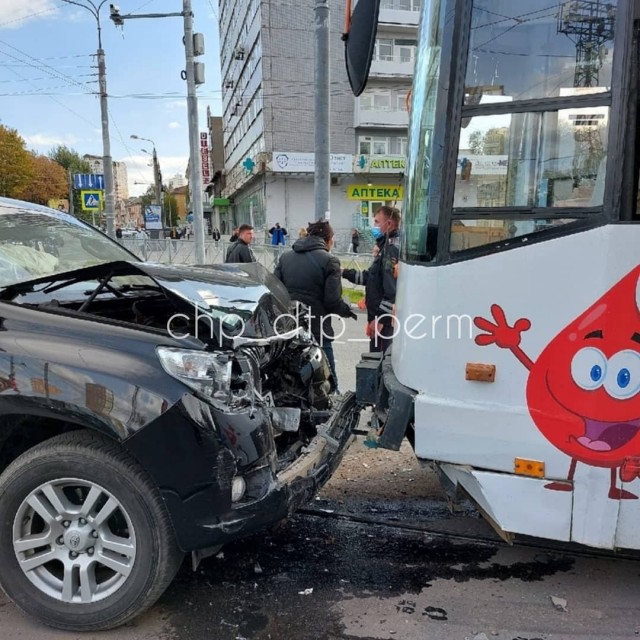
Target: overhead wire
(124, 144)
(37, 64)
(61, 104)
(29, 16)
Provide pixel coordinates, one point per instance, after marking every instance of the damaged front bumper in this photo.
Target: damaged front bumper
(296, 485)
(221, 447)
(392, 403)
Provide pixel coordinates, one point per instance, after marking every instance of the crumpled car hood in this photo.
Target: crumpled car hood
(245, 298)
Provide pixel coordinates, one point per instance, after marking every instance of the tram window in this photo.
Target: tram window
(550, 159)
(535, 49)
(468, 234)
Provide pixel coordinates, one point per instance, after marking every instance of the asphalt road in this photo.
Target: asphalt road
(368, 560)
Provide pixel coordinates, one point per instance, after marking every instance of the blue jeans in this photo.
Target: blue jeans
(327, 347)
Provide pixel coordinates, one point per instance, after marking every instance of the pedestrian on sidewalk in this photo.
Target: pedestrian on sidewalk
(355, 241)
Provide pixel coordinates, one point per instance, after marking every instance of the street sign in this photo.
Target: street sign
(88, 181)
(152, 217)
(91, 200)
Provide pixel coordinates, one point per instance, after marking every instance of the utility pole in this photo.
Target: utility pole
(107, 162)
(158, 185)
(194, 136)
(194, 75)
(322, 142)
(71, 209)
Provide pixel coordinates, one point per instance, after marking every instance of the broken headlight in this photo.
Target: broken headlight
(208, 373)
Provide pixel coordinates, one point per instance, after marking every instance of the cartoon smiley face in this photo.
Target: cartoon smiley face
(583, 391)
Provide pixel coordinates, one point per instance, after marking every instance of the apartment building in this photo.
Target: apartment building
(267, 56)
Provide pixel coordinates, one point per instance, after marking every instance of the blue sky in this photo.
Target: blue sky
(49, 83)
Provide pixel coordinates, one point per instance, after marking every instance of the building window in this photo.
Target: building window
(373, 145)
(381, 146)
(364, 147)
(405, 50)
(383, 49)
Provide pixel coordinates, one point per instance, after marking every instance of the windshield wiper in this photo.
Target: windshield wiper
(104, 284)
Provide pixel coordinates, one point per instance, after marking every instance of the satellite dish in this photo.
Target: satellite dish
(360, 41)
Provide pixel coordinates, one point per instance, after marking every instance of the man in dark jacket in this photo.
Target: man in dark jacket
(312, 276)
(380, 279)
(240, 251)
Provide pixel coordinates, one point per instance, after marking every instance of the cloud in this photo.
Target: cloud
(15, 13)
(176, 104)
(40, 140)
(174, 125)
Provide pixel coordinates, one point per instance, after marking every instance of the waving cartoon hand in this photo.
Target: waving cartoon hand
(503, 335)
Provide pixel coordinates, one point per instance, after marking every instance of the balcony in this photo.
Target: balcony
(392, 66)
(391, 118)
(400, 12)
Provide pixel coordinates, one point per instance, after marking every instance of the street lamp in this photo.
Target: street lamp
(157, 175)
(107, 163)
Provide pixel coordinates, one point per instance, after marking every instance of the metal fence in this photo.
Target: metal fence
(183, 252)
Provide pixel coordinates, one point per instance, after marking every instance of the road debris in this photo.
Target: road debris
(559, 603)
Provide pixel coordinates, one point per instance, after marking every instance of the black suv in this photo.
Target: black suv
(146, 411)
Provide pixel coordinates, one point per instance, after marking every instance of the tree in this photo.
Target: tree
(69, 160)
(171, 210)
(16, 170)
(148, 198)
(48, 181)
(492, 142)
(72, 162)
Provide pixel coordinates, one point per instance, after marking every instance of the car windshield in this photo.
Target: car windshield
(37, 241)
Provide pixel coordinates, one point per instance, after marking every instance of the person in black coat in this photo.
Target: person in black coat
(355, 240)
(240, 251)
(312, 276)
(380, 278)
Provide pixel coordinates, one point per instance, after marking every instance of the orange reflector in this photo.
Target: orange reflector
(480, 372)
(524, 467)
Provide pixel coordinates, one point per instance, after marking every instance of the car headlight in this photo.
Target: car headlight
(208, 373)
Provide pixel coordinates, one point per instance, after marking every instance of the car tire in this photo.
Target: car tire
(86, 543)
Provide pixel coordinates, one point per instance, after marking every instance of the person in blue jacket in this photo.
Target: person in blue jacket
(278, 234)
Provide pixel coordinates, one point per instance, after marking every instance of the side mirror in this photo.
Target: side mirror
(360, 42)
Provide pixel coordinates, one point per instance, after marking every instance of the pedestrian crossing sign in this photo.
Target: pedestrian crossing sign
(91, 200)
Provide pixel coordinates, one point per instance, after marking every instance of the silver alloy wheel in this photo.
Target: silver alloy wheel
(74, 541)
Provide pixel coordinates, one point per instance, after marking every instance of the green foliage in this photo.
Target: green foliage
(492, 142)
(69, 159)
(171, 210)
(72, 162)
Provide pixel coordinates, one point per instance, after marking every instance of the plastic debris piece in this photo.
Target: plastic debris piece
(306, 592)
(559, 603)
(257, 568)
